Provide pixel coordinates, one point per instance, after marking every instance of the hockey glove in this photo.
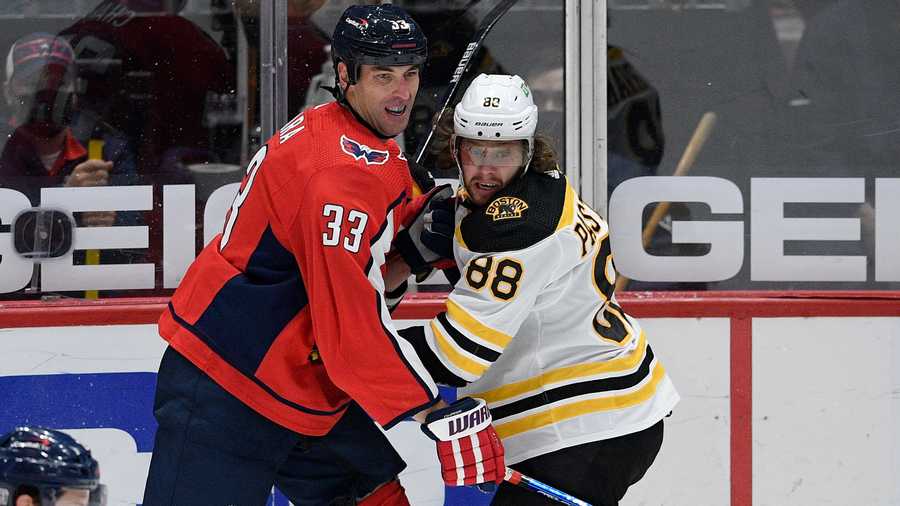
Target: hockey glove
(468, 447)
(427, 242)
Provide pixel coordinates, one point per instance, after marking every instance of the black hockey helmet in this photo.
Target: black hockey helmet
(46, 461)
(376, 35)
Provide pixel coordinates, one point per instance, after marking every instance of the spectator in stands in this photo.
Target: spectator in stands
(40, 149)
(150, 74)
(162, 83)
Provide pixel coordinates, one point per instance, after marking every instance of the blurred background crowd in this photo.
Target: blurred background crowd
(165, 93)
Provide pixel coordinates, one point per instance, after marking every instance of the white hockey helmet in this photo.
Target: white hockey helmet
(496, 107)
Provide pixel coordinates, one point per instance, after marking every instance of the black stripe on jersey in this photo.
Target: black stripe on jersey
(416, 336)
(259, 383)
(399, 200)
(465, 343)
(271, 285)
(576, 389)
(381, 229)
(390, 335)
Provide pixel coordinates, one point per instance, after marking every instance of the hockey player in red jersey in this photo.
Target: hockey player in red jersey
(281, 346)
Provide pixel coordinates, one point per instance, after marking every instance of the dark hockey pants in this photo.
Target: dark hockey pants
(211, 449)
(598, 472)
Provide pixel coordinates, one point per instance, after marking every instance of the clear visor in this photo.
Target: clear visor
(70, 496)
(492, 153)
(52, 78)
(67, 496)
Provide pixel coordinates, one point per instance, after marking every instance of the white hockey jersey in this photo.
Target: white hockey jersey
(535, 330)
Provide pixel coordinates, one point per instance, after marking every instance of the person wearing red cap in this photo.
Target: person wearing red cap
(40, 150)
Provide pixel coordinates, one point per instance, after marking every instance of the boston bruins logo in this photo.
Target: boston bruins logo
(505, 208)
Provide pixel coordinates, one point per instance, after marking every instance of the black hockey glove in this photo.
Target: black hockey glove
(428, 241)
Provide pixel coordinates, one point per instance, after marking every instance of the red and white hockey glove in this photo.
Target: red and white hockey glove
(468, 447)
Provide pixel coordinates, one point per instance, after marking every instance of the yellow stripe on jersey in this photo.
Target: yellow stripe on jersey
(475, 327)
(623, 363)
(567, 411)
(457, 359)
(568, 211)
(458, 235)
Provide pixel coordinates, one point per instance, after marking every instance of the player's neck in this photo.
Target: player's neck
(362, 121)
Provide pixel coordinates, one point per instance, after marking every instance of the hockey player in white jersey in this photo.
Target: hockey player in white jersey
(576, 392)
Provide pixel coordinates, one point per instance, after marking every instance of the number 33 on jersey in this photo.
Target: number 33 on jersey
(298, 269)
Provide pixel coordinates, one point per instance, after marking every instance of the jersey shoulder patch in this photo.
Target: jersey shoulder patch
(522, 214)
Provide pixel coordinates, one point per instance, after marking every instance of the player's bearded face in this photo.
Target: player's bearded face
(384, 96)
(488, 166)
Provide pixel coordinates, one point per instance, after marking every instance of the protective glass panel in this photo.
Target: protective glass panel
(127, 123)
(778, 119)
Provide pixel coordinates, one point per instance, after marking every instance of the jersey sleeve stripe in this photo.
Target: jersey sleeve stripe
(377, 236)
(405, 351)
(457, 233)
(459, 315)
(467, 344)
(571, 410)
(458, 362)
(627, 362)
(379, 245)
(568, 212)
(474, 338)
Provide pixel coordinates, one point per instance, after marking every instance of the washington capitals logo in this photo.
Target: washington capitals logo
(360, 24)
(362, 152)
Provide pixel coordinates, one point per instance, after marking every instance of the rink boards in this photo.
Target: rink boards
(786, 398)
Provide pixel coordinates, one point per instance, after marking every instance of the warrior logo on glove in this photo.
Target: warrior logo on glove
(466, 420)
(468, 447)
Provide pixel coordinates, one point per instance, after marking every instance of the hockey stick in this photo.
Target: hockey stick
(516, 478)
(698, 139)
(463, 66)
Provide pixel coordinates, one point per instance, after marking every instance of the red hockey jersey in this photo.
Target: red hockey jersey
(285, 308)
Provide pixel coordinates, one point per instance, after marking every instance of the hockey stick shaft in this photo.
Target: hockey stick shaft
(516, 478)
(698, 139)
(463, 66)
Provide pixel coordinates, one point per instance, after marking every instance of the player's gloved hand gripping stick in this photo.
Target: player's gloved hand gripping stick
(468, 448)
(471, 453)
